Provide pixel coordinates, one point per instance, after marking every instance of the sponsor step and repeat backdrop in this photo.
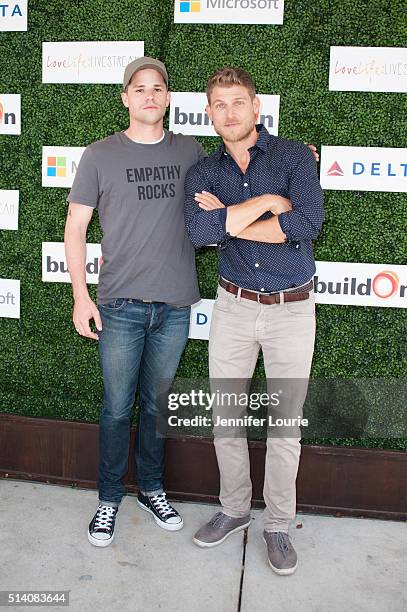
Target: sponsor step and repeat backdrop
(358, 162)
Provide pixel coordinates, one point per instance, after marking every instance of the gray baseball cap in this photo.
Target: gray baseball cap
(140, 64)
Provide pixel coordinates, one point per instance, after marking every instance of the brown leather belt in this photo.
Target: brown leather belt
(274, 298)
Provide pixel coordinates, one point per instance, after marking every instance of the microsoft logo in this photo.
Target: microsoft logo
(56, 166)
(192, 6)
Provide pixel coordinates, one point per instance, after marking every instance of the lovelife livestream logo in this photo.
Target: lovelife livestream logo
(188, 116)
(9, 200)
(59, 165)
(364, 169)
(229, 11)
(89, 61)
(10, 114)
(368, 69)
(13, 16)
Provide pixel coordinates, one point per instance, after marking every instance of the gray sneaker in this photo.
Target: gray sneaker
(219, 528)
(281, 553)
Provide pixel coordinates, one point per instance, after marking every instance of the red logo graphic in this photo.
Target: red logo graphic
(1, 112)
(385, 284)
(335, 170)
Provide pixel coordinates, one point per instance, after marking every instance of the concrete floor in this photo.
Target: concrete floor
(344, 564)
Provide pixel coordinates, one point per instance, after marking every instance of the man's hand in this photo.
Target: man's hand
(276, 204)
(313, 150)
(84, 310)
(207, 201)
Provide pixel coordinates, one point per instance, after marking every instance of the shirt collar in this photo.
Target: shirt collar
(261, 142)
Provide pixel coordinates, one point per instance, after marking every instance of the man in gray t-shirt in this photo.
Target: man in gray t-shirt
(138, 189)
(147, 283)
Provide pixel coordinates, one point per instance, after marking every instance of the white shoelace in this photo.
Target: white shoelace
(105, 516)
(162, 505)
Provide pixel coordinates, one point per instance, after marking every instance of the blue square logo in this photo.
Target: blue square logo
(184, 7)
(51, 171)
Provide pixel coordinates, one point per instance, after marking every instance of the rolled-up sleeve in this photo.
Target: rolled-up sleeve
(305, 220)
(204, 227)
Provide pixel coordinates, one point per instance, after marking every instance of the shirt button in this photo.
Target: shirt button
(262, 289)
(245, 184)
(297, 246)
(256, 265)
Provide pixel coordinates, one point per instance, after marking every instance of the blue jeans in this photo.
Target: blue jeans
(140, 343)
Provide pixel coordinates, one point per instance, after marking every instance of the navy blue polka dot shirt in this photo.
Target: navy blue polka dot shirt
(277, 166)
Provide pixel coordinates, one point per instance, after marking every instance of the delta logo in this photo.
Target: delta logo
(13, 16)
(11, 10)
(372, 169)
(364, 168)
(192, 6)
(56, 166)
(335, 170)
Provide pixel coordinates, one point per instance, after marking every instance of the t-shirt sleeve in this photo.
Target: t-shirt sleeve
(85, 188)
(201, 153)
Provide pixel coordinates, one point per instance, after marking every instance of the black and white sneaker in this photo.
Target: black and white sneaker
(101, 527)
(164, 514)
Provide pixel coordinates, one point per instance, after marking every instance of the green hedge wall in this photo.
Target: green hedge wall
(45, 368)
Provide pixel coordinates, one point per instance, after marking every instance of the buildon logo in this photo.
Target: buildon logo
(385, 284)
(10, 114)
(361, 284)
(188, 114)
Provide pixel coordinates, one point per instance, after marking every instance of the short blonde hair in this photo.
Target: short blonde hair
(227, 77)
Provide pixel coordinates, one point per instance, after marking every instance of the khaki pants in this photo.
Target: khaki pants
(285, 333)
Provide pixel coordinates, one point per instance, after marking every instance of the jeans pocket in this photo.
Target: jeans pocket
(302, 307)
(114, 305)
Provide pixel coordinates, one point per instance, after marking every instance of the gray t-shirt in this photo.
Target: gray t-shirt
(138, 190)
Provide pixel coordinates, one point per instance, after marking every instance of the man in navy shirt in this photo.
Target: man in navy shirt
(259, 199)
